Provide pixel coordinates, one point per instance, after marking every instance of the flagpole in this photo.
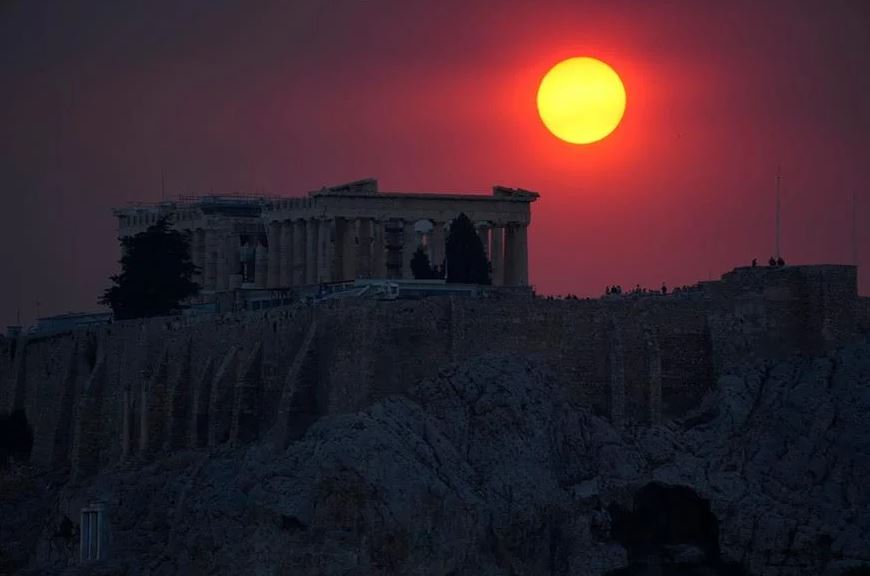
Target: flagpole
(778, 179)
(854, 229)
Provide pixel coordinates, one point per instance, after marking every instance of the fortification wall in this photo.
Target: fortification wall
(136, 389)
(382, 348)
(780, 310)
(95, 396)
(863, 313)
(98, 396)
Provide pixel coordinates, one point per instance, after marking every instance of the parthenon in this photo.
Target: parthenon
(336, 234)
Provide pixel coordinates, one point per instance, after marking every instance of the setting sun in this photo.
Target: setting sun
(581, 100)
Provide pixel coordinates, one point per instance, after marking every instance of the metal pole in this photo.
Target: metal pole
(854, 229)
(777, 212)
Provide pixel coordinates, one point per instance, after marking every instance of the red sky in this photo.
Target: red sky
(99, 98)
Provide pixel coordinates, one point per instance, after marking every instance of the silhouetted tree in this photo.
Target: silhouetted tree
(155, 274)
(466, 258)
(420, 266)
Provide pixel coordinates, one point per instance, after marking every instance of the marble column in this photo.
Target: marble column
(210, 268)
(234, 261)
(339, 226)
(364, 248)
(379, 255)
(346, 247)
(510, 255)
(286, 264)
(324, 250)
(299, 236)
(483, 234)
(261, 263)
(248, 255)
(438, 244)
(222, 277)
(497, 256)
(409, 246)
(273, 278)
(201, 257)
(520, 255)
(196, 247)
(310, 251)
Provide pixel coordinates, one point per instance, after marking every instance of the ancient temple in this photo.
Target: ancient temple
(336, 234)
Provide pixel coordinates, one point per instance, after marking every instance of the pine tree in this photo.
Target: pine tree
(420, 266)
(466, 258)
(155, 274)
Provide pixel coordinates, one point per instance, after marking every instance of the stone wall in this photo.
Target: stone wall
(779, 310)
(137, 389)
(863, 313)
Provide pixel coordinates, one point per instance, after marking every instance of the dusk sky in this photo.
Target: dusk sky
(99, 99)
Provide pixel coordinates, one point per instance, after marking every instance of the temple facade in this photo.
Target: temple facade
(336, 234)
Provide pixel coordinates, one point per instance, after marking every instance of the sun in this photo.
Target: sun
(581, 100)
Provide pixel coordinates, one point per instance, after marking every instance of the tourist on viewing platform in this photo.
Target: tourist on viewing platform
(664, 288)
(780, 261)
(771, 262)
(754, 262)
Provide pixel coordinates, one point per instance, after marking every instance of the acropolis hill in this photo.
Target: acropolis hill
(485, 432)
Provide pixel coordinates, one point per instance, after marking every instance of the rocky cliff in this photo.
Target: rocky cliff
(489, 467)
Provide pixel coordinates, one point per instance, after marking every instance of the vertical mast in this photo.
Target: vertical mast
(854, 229)
(777, 256)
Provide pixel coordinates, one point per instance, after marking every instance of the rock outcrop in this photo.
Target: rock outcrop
(488, 468)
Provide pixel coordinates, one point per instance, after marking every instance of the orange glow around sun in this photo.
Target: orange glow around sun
(581, 100)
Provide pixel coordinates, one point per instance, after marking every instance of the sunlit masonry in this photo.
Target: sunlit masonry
(336, 234)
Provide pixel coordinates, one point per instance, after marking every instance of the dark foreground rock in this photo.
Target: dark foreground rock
(487, 470)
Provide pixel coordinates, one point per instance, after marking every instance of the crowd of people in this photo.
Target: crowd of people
(616, 290)
(638, 290)
(772, 263)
